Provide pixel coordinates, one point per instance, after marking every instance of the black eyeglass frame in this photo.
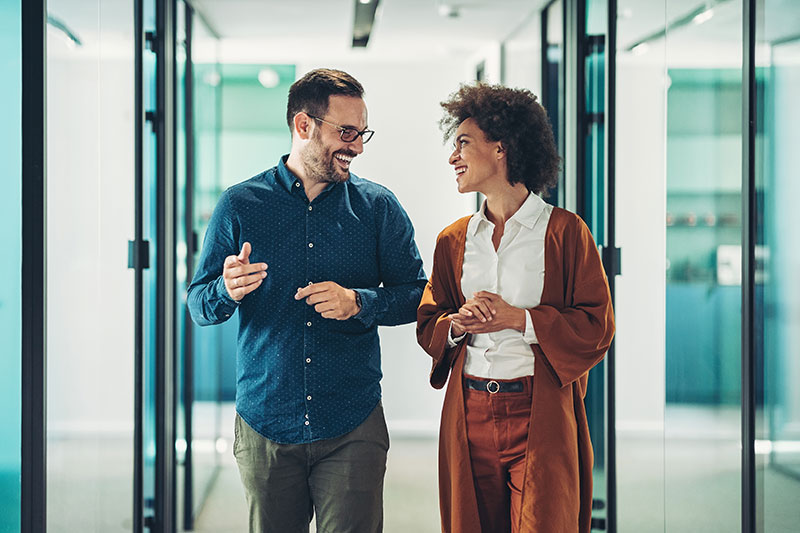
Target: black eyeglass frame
(343, 130)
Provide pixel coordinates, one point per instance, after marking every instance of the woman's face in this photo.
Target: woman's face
(478, 162)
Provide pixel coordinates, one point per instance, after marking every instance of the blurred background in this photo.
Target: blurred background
(693, 429)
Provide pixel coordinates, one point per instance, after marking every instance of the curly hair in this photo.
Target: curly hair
(518, 121)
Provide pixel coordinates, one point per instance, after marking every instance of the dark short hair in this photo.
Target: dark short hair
(311, 93)
(518, 121)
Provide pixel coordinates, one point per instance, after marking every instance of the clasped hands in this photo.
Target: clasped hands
(486, 312)
(329, 299)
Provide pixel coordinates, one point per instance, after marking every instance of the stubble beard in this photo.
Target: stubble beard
(320, 165)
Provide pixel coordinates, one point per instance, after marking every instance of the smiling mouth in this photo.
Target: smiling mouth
(460, 170)
(343, 159)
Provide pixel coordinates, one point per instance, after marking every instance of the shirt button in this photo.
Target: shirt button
(311, 245)
(307, 422)
(296, 183)
(308, 324)
(311, 208)
(308, 359)
(310, 282)
(308, 398)
(306, 415)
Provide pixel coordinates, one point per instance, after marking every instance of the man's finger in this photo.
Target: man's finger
(244, 270)
(231, 261)
(314, 288)
(244, 255)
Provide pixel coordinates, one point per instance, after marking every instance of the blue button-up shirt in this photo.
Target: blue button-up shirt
(301, 377)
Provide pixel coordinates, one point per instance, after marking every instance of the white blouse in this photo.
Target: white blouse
(516, 272)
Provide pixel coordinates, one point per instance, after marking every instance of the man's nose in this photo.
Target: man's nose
(357, 144)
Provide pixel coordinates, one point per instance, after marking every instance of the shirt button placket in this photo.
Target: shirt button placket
(311, 321)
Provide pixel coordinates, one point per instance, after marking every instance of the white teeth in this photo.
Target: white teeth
(461, 170)
(343, 158)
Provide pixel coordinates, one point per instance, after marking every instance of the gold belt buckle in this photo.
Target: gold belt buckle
(490, 388)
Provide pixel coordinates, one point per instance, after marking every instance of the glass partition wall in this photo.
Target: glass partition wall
(639, 209)
(777, 262)
(11, 265)
(90, 301)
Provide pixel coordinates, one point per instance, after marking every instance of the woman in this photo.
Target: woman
(516, 312)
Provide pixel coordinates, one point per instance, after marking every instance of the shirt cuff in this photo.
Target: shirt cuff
(529, 335)
(226, 305)
(366, 315)
(451, 342)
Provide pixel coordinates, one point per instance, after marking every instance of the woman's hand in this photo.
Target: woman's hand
(487, 312)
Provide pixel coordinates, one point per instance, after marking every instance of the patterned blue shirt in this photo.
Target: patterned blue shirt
(301, 377)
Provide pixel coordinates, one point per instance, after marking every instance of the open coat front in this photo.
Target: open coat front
(574, 324)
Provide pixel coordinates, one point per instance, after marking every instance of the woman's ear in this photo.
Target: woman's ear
(500, 151)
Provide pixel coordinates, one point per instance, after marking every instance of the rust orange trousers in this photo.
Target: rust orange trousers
(497, 432)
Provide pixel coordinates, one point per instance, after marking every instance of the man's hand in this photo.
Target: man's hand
(329, 299)
(487, 312)
(241, 277)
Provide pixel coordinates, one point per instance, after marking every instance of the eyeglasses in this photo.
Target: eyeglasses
(347, 135)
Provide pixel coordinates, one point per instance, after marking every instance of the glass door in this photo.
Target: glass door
(90, 296)
(11, 265)
(777, 289)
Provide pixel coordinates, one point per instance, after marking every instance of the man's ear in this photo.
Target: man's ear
(500, 151)
(302, 125)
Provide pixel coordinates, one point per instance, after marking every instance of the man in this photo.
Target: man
(314, 258)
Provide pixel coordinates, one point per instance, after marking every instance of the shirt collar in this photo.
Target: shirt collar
(291, 182)
(285, 176)
(527, 214)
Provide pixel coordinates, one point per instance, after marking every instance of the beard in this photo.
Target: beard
(319, 163)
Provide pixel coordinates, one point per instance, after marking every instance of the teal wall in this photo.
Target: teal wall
(241, 130)
(10, 264)
(704, 169)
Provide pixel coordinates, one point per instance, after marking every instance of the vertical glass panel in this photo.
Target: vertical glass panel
(553, 85)
(207, 352)
(594, 216)
(181, 347)
(639, 290)
(90, 323)
(11, 265)
(703, 288)
(149, 281)
(777, 320)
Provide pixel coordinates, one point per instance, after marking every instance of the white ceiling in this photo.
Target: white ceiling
(413, 29)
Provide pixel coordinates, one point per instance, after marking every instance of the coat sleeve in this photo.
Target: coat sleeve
(576, 337)
(433, 325)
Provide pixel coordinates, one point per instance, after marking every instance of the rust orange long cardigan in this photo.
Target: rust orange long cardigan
(574, 324)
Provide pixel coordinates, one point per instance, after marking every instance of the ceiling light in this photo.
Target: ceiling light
(268, 78)
(446, 10)
(363, 22)
(705, 16)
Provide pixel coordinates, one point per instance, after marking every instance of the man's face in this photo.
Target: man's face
(326, 157)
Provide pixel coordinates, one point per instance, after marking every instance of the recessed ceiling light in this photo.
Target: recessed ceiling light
(268, 78)
(705, 16)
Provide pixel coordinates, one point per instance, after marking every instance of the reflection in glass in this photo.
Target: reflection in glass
(777, 319)
(553, 86)
(703, 288)
(11, 265)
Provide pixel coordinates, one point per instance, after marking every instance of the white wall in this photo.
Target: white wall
(89, 222)
(408, 155)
